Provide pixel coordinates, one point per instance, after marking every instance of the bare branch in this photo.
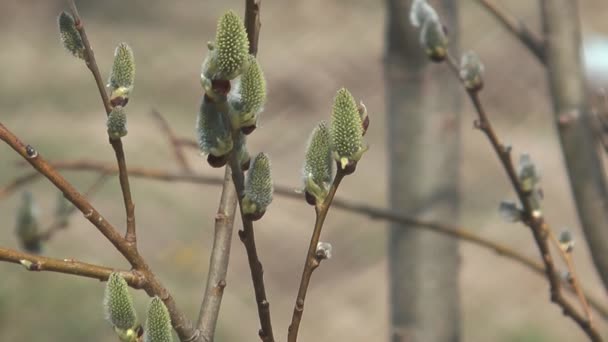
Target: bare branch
(518, 28)
(37, 263)
(173, 140)
(218, 263)
(372, 212)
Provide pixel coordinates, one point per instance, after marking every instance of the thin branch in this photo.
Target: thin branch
(173, 140)
(8, 189)
(247, 236)
(519, 29)
(59, 224)
(151, 285)
(533, 219)
(39, 263)
(312, 260)
(89, 57)
(218, 263)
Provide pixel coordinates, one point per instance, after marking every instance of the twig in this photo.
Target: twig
(59, 224)
(530, 217)
(312, 261)
(338, 203)
(123, 177)
(173, 140)
(37, 263)
(151, 284)
(8, 189)
(517, 27)
(218, 263)
(572, 279)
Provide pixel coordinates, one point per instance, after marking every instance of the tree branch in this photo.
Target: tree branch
(220, 256)
(38, 263)
(372, 212)
(530, 217)
(151, 284)
(312, 260)
(173, 140)
(518, 28)
(123, 177)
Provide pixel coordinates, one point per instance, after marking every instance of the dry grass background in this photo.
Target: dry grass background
(308, 50)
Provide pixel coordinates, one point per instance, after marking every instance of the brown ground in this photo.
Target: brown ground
(308, 50)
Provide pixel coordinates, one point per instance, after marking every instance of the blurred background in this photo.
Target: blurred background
(308, 50)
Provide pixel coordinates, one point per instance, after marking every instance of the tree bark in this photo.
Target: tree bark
(424, 152)
(561, 28)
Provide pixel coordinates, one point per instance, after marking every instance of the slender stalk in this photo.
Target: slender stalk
(178, 153)
(518, 28)
(123, 177)
(218, 263)
(57, 225)
(247, 236)
(16, 183)
(37, 263)
(531, 218)
(372, 212)
(312, 261)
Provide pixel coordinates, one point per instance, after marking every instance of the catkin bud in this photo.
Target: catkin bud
(364, 117)
(434, 40)
(566, 242)
(230, 49)
(471, 71)
(509, 211)
(70, 37)
(250, 95)
(118, 304)
(214, 133)
(420, 12)
(117, 123)
(158, 324)
(346, 131)
(27, 228)
(527, 173)
(432, 33)
(123, 75)
(318, 164)
(258, 188)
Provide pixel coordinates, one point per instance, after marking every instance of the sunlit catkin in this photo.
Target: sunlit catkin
(258, 188)
(346, 130)
(318, 164)
(158, 324)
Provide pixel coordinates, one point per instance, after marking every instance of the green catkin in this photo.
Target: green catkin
(70, 37)
(117, 123)
(318, 163)
(346, 130)
(251, 94)
(118, 304)
(258, 187)
(27, 228)
(229, 51)
(158, 324)
(122, 77)
(213, 131)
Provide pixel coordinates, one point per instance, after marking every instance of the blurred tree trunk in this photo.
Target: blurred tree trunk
(561, 27)
(424, 155)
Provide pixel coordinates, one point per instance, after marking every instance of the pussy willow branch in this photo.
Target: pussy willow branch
(61, 223)
(224, 222)
(338, 203)
(312, 261)
(123, 177)
(37, 263)
(534, 221)
(518, 28)
(173, 140)
(150, 284)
